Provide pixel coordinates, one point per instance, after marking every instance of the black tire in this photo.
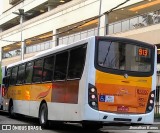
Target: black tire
(43, 116)
(11, 110)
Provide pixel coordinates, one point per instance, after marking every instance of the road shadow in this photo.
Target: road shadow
(3, 113)
(72, 128)
(55, 126)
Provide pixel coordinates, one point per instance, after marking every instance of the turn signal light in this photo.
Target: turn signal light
(150, 104)
(3, 91)
(92, 90)
(92, 97)
(152, 95)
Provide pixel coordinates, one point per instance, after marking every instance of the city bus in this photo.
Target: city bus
(94, 81)
(2, 74)
(0, 87)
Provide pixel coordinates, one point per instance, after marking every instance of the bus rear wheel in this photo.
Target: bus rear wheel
(43, 116)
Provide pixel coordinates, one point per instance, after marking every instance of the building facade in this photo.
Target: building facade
(48, 23)
(38, 25)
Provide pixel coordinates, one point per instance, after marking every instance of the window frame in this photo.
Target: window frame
(32, 72)
(42, 58)
(52, 55)
(122, 72)
(9, 75)
(84, 45)
(23, 73)
(10, 81)
(67, 51)
(54, 64)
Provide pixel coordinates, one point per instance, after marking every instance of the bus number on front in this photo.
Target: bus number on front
(142, 52)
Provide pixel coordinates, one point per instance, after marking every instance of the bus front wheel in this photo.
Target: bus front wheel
(43, 115)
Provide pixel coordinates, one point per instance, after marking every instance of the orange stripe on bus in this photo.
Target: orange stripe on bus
(43, 94)
(131, 93)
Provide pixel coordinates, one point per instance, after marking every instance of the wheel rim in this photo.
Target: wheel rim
(43, 116)
(11, 110)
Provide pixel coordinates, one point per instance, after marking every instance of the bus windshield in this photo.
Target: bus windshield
(124, 56)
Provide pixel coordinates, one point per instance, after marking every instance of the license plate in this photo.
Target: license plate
(122, 109)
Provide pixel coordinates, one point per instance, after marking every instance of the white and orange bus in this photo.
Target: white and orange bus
(93, 81)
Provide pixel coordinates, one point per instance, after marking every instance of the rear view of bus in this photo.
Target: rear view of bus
(125, 81)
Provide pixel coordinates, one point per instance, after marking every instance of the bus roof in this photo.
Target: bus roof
(50, 51)
(64, 47)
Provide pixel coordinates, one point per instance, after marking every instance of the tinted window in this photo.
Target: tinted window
(61, 66)
(124, 56)
(8, 77)
(37, 75)
(21, 74)
(29, 72)
(48, 68)
(76, 62)
(14, 76)
(9, 72)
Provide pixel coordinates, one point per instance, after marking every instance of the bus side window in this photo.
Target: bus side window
(61, 66)
(9, 72)
(7, 78)
(29, 72)
(48, 68)
(21, 74)
(13, 78)
(76, 62)
(37, 70)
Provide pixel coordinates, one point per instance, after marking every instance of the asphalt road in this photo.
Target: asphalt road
(31, 125)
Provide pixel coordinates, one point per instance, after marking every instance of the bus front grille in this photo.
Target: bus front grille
(122, 119)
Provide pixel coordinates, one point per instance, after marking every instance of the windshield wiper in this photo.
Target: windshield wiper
(107, 53)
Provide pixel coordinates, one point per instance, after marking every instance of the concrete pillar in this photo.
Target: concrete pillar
(22, 41)
(106, 24)
(99, 20)
(1, 54)
(54, 39)
(102, 31)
